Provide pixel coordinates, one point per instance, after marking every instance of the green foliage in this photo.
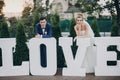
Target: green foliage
(56, 26)
(20, 37)
(89, 6)
(49, 17)
(26, 11)
(95, 28)
(47, 5)
(73, 34)
(38, 7)
(21, 50)
(36, 18)
(117, 6)
(115, 29)
(104, 25)
(57, 33)
(112, 6)
(60, 57)
(71, 28)
(12, 28)
(1, 6)
(29, 30)
(28, 21)
(4, 33)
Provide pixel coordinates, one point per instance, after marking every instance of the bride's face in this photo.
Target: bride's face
(79, 20)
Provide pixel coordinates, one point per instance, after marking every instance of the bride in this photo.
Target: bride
(83, 30)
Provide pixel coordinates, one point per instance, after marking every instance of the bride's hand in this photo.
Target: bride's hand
(78, 37)
(75, 38)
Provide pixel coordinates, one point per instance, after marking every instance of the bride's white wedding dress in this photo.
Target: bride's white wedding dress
(90, 31)
(89, 60)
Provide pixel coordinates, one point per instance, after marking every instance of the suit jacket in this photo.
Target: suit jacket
(47, 33)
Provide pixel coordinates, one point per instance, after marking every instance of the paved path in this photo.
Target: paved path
(58, 76)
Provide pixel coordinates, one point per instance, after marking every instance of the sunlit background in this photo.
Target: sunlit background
(15, 7)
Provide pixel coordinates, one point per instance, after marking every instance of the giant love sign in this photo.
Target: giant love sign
(74, 65)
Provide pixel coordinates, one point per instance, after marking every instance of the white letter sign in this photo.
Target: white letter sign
(102, 69)
(35, 67)
(6, 44)
(87, 57)
(74, 66)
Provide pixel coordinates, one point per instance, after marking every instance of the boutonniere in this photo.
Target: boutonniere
(45, 32)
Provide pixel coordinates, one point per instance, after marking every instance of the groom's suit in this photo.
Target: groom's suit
(45, 32)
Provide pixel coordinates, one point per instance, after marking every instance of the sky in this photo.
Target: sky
(10, 6)
(14, 5)
(18, 5)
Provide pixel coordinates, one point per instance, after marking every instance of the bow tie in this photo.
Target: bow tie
(43, 27)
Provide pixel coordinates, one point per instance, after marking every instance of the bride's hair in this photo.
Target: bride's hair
(79, 16)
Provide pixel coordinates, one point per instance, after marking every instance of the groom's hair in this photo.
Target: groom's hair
(42, 18)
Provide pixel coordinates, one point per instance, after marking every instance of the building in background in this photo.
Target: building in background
(63, 8)
(66, 9)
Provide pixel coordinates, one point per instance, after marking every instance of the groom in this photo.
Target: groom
(43, 30)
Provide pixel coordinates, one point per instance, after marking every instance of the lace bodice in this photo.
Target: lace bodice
(82, 32)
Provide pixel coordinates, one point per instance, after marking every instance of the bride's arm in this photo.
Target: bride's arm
(76, 30)
(86, 31)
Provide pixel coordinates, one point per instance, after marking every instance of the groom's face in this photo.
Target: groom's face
(43, 23)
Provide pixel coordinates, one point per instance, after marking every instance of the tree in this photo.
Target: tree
(38, 6)
(4, 33)
(55, 21)
(114, 6)
(26, 12)
(38, 11)
(117, 6)
(12, 29)
(1, 14)
(71, 28)
(47, 6)
(36, 18)
(115, 28)
(1, 6)
(95, 27)
(28, 21)
(89, 6)
(21, 50)
(34, 1)
(73, 34)
(110, 7)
